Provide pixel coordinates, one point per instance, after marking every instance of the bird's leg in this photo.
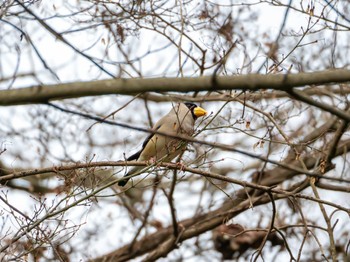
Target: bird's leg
(151, 161)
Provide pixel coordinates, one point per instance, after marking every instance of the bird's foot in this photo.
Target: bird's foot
(151, 161)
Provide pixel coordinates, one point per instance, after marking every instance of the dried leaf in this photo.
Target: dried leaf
(120, 31)
(323, 166)
(312, 11)
(204, 14)
(262, 142)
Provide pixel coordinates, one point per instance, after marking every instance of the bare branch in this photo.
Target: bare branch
(252, 82)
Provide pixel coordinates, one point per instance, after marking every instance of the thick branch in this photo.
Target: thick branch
(252, 82)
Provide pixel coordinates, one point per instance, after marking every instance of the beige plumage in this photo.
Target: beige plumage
(179, 121)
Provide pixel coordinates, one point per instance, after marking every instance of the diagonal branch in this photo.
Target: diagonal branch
(333, 110)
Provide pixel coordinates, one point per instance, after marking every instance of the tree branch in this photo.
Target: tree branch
(328, 108)
(251, 82)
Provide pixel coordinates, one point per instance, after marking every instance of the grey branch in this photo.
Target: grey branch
(251, 82)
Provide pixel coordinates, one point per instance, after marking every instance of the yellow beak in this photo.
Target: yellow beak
(198, 111)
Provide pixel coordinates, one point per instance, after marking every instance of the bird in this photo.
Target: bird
(179, 121)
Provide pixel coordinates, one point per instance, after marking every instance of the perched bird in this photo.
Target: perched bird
(179, 121)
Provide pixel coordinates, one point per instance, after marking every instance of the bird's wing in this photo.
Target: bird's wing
(137, 154)
(179, 118)
(165, 147)
(134, 156)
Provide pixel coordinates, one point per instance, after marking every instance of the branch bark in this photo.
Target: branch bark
(251, 82)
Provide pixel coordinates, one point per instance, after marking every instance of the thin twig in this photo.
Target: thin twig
(272, 223)
(332, 247)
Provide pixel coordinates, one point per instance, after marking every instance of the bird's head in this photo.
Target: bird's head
(195, 110)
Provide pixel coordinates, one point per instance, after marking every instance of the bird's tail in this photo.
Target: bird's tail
(124, 181)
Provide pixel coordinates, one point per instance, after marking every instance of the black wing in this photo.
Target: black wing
(137, 154)
(134, 156)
